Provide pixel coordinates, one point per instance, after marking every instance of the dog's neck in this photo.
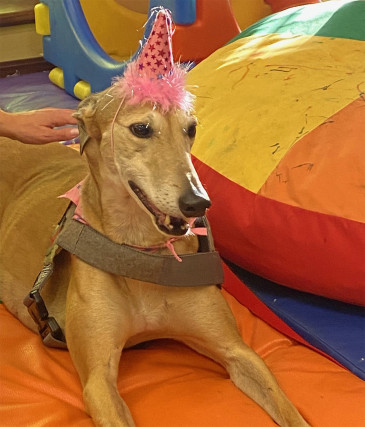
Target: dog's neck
(109, 208)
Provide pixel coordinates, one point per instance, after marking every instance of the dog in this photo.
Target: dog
(141, 191)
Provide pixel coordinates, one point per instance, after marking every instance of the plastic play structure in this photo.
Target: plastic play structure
(90, 41)
(84, 66)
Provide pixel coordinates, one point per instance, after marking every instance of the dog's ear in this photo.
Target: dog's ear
(83, 135)
(85, 115)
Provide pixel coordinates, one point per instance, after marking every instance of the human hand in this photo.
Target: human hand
(38, 126)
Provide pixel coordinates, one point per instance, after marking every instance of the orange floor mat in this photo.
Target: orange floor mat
(166, 384)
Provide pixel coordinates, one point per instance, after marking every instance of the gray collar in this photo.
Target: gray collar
(198, 269)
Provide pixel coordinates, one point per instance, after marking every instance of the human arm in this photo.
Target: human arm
(38, 126)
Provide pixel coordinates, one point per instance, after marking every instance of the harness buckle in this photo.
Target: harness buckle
(50, 331)
(39, 313)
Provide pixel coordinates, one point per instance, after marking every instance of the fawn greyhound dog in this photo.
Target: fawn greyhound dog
(142, 192)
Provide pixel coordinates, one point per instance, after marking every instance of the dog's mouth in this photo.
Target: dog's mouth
(166, 223)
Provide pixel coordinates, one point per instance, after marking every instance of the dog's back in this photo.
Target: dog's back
(31, 179)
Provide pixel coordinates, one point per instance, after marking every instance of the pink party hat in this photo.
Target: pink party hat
(153, 76)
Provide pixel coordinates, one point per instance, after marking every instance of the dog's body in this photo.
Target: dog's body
(102, 313)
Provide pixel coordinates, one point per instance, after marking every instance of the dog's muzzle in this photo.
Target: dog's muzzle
(168, 224)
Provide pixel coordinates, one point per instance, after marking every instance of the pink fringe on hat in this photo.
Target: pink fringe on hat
(153, 77)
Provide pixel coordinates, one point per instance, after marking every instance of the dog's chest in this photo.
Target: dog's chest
(151, 315)
(150, 320)
(155, 310)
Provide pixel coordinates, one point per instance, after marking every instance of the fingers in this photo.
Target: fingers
(53, 135)
(58, 116)
(50, 119)
(54, 117)
(42, 126)
(39, 126)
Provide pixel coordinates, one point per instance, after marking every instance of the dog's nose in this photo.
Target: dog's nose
(193, 205)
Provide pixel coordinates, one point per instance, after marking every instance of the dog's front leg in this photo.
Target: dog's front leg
(96, 330)
(209, 327)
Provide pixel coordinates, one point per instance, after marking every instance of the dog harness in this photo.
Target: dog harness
(203, 268)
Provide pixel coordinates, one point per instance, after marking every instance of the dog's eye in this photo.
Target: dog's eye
(191, 131)
(141, 130)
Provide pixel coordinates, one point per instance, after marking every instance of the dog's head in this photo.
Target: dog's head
(148, 153)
